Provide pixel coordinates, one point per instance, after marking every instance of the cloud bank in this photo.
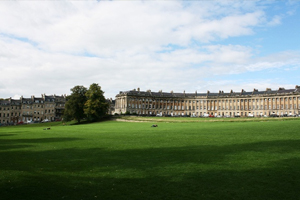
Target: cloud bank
(51, 46)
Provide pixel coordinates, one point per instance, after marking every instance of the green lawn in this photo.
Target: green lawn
(256, 160)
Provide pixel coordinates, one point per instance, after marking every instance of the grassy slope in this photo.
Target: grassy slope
(120, 160)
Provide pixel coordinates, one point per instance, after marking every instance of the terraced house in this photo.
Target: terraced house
(32, 109)
(281, 102)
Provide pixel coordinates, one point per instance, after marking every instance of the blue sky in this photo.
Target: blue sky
(51, 46)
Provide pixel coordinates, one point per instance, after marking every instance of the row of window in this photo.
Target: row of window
(30, 107)
(224, 100)
(170, 107)
(28, 113)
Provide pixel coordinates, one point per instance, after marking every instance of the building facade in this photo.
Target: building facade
(32, 109)
(281, 102)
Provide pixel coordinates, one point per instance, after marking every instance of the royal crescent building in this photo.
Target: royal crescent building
(281, 102)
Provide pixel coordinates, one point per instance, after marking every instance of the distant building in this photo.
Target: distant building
(32, 109)
(281, 102)
(111, 106)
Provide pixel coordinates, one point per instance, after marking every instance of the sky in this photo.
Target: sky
(48, 47)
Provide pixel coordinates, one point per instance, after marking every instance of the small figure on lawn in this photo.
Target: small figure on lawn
(154, 125)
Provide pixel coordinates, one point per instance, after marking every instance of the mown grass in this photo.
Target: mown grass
(202, 119)
(121, 160)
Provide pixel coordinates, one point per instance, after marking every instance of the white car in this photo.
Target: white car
(45, 120)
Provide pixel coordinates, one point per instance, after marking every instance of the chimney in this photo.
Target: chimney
(138, 89)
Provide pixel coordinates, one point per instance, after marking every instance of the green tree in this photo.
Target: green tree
(96, 106)
(74, 108)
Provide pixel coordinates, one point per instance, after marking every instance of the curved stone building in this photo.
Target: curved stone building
(281, 102)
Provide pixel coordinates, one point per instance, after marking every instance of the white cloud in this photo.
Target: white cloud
(51, 46)
(276, 20)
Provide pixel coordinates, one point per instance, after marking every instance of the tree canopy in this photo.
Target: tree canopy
(85, 103)
(75, 104)
(96, 106)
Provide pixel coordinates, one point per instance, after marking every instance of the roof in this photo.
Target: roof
(241, 94)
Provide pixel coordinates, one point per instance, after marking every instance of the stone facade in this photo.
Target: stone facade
(32, 109)
(281, 102)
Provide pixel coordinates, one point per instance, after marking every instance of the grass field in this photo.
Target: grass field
(256, 160)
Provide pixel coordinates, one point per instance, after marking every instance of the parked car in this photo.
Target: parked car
(20, 123)
(45, 120)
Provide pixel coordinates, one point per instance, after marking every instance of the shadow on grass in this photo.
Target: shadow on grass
(192, 172)
(9, 134)
(6, 144)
